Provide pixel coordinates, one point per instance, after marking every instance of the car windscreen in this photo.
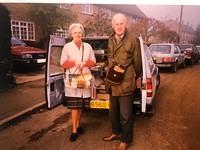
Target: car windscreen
(185, 46)
(161, 49)
(17, 42)
(198, 47)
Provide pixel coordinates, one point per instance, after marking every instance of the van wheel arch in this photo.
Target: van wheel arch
(157, 81)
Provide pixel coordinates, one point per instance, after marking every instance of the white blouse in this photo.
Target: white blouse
(71, 52)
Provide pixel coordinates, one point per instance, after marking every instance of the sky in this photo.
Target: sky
(191, 13)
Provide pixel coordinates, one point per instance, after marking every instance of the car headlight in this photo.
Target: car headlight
(27, 56)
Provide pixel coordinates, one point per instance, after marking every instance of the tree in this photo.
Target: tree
(147, 28)
(153, 31)
(196, 40)
(166, 35)
(172, 36)
(50, 17)
(100, 25)
(6, 73)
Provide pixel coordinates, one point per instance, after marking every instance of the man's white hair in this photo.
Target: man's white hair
(119, 15)
(75, 25)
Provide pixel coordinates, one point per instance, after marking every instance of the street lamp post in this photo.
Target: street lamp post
(180, 22)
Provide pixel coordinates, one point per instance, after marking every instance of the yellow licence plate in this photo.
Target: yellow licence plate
(100, 104)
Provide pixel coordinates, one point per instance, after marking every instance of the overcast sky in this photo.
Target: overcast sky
(191, 14)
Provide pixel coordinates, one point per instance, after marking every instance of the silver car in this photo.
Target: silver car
(167, 55)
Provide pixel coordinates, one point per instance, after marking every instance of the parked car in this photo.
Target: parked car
(198, 47)
(191, 53)
(26, 56)
(167, 55)
(147, 85)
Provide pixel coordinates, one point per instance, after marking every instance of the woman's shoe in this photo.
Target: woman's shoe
(73, 137)
(80, 130)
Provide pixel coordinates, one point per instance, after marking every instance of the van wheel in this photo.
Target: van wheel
(158, 81)
(174, 68)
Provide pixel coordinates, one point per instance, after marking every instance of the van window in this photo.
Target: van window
(55, 67)
(149, 58)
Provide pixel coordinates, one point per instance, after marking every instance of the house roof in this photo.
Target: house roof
(131, 10)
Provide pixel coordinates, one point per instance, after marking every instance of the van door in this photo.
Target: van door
(54, 82)
(144, 76)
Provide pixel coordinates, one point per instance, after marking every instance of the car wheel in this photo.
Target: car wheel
(150, 111)
(197, 61)
(191, 62)
(183, 65)
(174, 68)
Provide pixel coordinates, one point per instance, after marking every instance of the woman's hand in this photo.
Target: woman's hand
(79, 66)
(68, 64)
(89, 64)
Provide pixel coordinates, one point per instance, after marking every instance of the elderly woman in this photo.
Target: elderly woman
(76, 57)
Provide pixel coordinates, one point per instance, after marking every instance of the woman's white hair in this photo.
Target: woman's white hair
(75, 25)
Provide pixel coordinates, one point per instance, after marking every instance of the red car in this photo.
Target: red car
(191, 53)
(26, 56)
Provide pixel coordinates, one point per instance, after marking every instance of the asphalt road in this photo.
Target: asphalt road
(174, 126)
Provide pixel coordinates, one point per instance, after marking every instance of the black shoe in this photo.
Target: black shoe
(73, 137)
(80, 130)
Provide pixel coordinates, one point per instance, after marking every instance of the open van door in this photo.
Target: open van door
(144, 76)
(54, 82)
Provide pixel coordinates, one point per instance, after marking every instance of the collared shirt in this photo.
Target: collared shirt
(71, 52)
(119, 38)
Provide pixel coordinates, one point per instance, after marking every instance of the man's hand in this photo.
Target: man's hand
(139, 82)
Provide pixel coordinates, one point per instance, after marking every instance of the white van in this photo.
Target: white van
(144, 95)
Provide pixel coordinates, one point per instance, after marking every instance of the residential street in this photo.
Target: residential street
(175, 125)
(48, 49)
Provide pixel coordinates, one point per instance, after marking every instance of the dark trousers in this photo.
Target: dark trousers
(121, 114)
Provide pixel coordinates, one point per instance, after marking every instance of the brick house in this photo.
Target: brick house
(24, 28)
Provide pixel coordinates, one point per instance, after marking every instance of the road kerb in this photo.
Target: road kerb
(4, 121)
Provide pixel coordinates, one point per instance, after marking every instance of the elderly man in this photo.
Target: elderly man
(124, 49)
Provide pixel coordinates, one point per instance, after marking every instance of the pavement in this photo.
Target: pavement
(26, 96)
